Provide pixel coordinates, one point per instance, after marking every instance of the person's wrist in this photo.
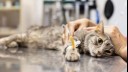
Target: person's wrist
(120, 50)
(123, 53)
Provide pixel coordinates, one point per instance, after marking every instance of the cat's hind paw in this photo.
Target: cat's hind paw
(71, 54)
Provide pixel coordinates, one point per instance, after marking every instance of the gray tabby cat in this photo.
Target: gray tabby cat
(97, 43)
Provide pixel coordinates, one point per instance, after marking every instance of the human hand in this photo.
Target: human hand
(71, 27)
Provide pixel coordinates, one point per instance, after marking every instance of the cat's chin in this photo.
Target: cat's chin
(96, 55)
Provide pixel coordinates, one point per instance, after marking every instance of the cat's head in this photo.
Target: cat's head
(99, 43)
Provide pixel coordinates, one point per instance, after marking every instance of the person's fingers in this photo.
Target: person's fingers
(84, 23)
(89, 28)
(65, 34)
(72, 26)
(81, 27)
(68, 30)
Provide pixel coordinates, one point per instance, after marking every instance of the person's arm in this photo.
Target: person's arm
(123, 53)
(118, 40)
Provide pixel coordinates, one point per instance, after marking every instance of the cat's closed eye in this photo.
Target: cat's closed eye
(100, 41)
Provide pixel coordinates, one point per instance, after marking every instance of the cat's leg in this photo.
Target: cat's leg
(7, 42)
(71, 54)
(12, 41)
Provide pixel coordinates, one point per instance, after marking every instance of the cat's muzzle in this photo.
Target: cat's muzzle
(109, 52)
(104, 53)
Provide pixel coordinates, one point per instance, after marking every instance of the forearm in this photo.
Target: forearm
(123, 53)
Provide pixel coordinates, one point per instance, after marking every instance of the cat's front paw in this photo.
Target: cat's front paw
(72, 54)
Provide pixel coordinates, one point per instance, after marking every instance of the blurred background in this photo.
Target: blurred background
(17, 15)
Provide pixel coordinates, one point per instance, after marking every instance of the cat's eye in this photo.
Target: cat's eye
(100, 41)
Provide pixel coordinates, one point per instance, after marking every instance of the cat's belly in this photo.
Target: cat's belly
(49, 38)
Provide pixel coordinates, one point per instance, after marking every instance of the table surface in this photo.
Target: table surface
(22, 60)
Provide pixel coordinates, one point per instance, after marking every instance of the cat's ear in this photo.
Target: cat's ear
(100, 28)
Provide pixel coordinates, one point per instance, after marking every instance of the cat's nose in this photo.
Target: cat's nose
(107, 44)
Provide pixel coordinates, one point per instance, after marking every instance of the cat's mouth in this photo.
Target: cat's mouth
(103, 54)
(108, 52)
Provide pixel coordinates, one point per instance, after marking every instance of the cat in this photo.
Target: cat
(97, 43)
